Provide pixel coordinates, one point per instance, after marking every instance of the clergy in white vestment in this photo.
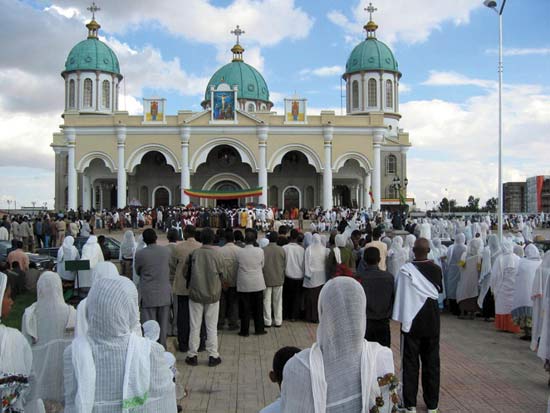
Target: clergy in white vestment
(522, 307)
(537, 295)
(91, 251)
(503, 284)
(112, 369)
(48, 325)
(341, 371)
(67, 252)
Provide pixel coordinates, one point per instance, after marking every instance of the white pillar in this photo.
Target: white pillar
(327, 170)
(121, 170)
(366, 188)
(101, 197)
(377, 173)
(70, 137)
(185, 179)
(262, 133)
(86, 193)
(94, 199)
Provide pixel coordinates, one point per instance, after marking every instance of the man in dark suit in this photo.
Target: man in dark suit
(152, 266)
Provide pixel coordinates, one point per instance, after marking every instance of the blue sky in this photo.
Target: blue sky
(446, 50)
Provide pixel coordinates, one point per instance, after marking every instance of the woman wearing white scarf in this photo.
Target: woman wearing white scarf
(15, 353)
(409, 244)
(91, 251)
(341, 371)
(486, 299)
(111, 369)
(467, 287)
(49, 325)
(67, 252)
(544, 344)
(126, 254)
(438, 254)
(452, 275)
(537, 295)
(315, 276)
(139, 246)
(397, 256)
(522, 308)
(308, 237)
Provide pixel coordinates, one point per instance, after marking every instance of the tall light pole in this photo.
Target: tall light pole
(493, 6)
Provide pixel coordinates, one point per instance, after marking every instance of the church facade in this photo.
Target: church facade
(106, 158)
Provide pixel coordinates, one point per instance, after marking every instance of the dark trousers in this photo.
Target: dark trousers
(488, 305)
(184, 326)
(379, 332)
(162, 316)
(251, 305)
(453, 307)
(292, 298)
(416, 350)
(229, 308)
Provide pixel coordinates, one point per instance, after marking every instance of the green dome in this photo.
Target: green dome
(250, 82)
(92, 54)
(371, 54)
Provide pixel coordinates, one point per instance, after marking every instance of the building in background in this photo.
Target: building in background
(514, 197)
(537, 194)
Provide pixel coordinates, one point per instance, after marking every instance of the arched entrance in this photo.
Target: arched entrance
(291, 198)
(161, 196)
(227, 186)
(294, 171)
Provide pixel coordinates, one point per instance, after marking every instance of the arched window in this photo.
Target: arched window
(251, 107)
(263, 107)
(355, 94)
(389, 94)
(372, 93)
(71, 93)
(105, 94)
(391, 192)
(391, 164)
(88, 95)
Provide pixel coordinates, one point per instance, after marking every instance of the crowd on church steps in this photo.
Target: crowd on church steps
(109, 353)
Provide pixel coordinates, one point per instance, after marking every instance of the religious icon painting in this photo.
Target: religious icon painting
(154, 110)
(295, 110)
(224, 105)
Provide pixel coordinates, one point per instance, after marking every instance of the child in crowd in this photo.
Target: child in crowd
(276, 375)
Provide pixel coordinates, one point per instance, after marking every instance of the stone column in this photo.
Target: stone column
(404, 150)
(97, 91)
(262, 133)
(94, 198)
(328, 132)
(70, 137)
(121, 170)
(366, 188)
(101, 196)
(185, 179)
(86, 192)
(377, 173)
(78, 105)
(364, 93)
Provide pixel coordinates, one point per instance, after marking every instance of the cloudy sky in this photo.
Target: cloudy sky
(447, 52)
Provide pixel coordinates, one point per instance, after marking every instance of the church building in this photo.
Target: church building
(106, 158)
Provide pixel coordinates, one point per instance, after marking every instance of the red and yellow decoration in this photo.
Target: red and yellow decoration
(242, 193)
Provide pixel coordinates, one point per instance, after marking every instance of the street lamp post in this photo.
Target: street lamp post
(493, 6)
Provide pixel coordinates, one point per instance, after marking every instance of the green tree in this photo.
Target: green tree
(473, 204)
(491, 205)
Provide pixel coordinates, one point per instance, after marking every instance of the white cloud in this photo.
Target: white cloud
(437, 78)
(404, 20)
(404, 87)
(541, 51)
(324, 71)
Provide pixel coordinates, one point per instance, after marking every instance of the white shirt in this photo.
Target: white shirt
(274, 407)
(294, 254)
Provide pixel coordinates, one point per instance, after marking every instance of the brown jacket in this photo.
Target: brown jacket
(182, 252)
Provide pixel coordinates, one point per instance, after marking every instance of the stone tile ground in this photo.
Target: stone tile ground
(482, 370)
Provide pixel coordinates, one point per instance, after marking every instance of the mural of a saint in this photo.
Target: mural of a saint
(295, 110)
(154, 110)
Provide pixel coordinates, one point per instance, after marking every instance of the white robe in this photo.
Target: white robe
(537, 295)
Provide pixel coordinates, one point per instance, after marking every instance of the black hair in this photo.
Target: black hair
(250, 237)
(189, 231)
(19, 244)
(207, 236)
(172, 235)
(149, 236)
(294, 234)
(376, 233)
(283, 230)
(272, 237)
(238, 235)
(228, 235)
(280, 359)
(371, 256)
(356, 233)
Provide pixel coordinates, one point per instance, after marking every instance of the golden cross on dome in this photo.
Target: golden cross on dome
(237, 32)
(93, 8)
(371, 9)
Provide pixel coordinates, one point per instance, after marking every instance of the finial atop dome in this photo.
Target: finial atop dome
(93, 26)
(237, 49)
(371, 26)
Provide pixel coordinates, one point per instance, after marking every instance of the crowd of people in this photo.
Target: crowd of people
(349, 276)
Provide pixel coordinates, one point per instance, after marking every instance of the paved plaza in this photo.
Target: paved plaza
(482, 370)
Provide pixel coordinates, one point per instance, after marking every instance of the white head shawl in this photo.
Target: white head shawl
(519, 251)
(308, 236)
(112, 312)
(532, 252)
(3, 288)
(340, 343)
(263, 242)
(151, 330)
(315, 256)
(128, 245)
(340, 242)
(92, 251)
(66, 248)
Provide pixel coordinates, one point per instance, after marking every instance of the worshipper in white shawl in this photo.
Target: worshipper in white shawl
(397, 256)
(139, 246)
(341, 372)
(15, 357)
(48, 326)
(467, 287)
(308, 236)
(91, 251)
(485, 300)
(438, 254)
(503, 282)
(126, 254)
(409, 245)
(112, 369)
(537, 295)
(544, 344)
(67, 252)
(315, 277)
(452, 275)
(519, 250)
(522, 307)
